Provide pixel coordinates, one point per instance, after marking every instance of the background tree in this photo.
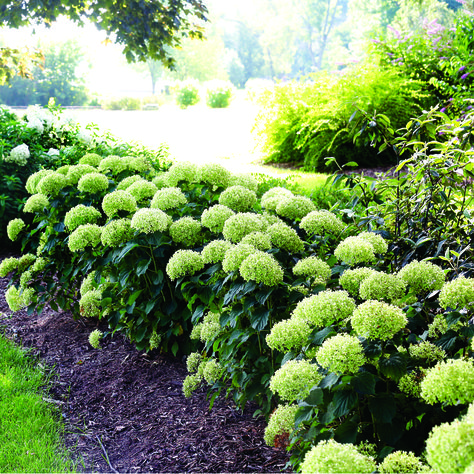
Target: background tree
(57, 78)
(145, 29)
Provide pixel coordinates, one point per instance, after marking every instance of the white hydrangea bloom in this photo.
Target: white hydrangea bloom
(19, 155)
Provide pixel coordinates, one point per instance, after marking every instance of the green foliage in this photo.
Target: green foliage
(306, 122)
(218, 95)
(438, 56)
(144, 29)
(187, 94)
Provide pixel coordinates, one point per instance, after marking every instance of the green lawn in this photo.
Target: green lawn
(30, 434)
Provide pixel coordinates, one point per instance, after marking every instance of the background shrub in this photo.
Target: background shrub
(187, 93)
(308, 121)
(218, 94)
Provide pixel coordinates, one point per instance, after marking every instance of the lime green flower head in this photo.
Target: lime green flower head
(190, 384)
(235, 255)
(27, 296)
(450, 382)
(14, 299)
(342, 354)
(25, 261)
(88, 284)
(93, 183)
(285, 237)
(325, 308)
(86, 235)
(155, 340)
(281, 423)
(51, 184)
(26, 278)
(244, 179)
(236, 227)
(321, 223)
(114, 164)
(294, 380)
(401, 462)
(383, 287)
(14, 227)
(8, 265)
(90, 304)
(118, 201)
(117, 232)
(182, 171)
(378, 320)
(295, 207)
(423, 277)
(161, 180)
(76, 172)
(458, 293)
(168, 198)
(351, 280)
(36, 203)
(427, 350)
(94, 338)
(410, 382)
(238, 198)
(80, 215)
(314, 268)
(192, 362)
(289, 335)
(377, 241)
(63, 169)
(270, 219)
(262, 268)
(353, 250)
(142, 190)
(186, 231)
(128, 181)
(274, 196)
(438, 327)
(215, 251)
(215, 175)
(184, 262)
(213, 371)
(138, 164)
(450, 447)
(215, 217)
(151, 220)
(34, 179)
(333, 457)
(92, 159)
(259, 240)
(211, 327)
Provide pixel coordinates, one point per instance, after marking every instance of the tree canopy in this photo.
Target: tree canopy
(145, 28)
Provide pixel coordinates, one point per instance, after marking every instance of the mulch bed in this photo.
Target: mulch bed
(124, 410)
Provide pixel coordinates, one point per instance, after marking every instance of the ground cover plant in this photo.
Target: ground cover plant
(30, 438)
(275, 300)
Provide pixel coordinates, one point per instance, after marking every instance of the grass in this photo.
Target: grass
(30, 433)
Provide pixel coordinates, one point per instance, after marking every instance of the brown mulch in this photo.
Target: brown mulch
(124, 410)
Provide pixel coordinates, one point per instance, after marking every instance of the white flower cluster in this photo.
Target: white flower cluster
(19, 155)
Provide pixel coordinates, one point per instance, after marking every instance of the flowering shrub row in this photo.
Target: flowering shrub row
(274, 300)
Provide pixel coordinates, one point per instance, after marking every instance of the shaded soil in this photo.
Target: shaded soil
(124, 410)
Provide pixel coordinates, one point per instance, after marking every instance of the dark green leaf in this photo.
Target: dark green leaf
(394, 367)
(304, 414)
(140, 334)
(347, 432)
(175, 348)
(329, 381)
(130, 246)
(142, 267)
(320, 336)
(149, 306)
(314, 398)
(262, 295)
(364, 383)
(259, 318)
(383, 407)
(344, 401)
(198, 313)
(133, 297)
